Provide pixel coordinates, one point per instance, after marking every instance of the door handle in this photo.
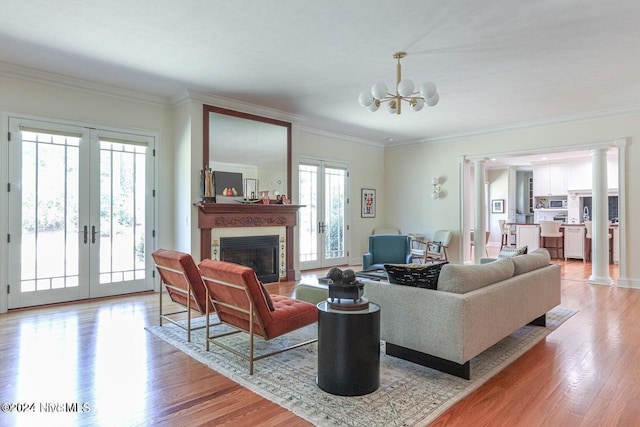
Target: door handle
(321, 227)
(85, 234)
(93, 234)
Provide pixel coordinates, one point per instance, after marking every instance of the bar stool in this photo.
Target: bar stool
(551, 230)
(588, 225)
(504, 233)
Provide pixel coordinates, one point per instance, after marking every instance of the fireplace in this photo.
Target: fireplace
(257, 252)
(216, 218)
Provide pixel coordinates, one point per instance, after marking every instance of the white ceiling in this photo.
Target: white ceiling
(497, 63)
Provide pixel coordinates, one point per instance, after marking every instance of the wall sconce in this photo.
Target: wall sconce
(435, 181)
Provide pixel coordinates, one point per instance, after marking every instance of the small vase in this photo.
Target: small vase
(265, 197)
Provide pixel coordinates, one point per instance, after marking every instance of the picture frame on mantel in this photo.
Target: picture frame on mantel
(368, 203)
(497, 206)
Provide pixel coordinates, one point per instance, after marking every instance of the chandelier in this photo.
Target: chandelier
(405, 91)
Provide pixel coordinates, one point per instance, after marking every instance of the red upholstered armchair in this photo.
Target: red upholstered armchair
(181, 277)
(243, 303)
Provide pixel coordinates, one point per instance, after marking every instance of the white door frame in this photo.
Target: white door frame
(321, 262)
(9, 224)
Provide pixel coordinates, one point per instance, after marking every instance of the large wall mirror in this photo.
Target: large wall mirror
(258, 147)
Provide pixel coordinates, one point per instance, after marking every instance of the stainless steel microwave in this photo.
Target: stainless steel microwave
(555, 204)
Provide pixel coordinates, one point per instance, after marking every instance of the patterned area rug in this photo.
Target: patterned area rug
(409, 394)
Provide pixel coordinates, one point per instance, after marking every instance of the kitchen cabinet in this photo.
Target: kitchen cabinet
(574, 242)
(612, 173)
(579, 175)
(550, 179)
(528, 235)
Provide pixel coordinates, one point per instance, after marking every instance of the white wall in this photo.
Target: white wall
(181, 176)
(39, 99)
(414, 165)
(408, 202)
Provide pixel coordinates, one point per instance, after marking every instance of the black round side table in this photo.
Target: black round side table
(348, 350)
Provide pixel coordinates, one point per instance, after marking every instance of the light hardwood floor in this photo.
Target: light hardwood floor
(98, 353)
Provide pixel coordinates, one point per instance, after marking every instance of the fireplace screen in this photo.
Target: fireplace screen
(257, 252)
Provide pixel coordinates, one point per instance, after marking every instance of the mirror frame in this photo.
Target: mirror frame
(207, 109)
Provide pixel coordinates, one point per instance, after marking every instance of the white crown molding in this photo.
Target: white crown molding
(31, 74)
(25, 73)
(323, 133)
(619, 111)
(232, 104)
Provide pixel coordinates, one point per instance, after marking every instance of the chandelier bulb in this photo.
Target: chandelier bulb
(433, 100)
(391, 107)
(427, 90)
(365, 99)
(416, 104)
(406, 88)
(379, 90)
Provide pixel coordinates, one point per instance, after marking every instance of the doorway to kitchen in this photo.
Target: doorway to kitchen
(573, 193)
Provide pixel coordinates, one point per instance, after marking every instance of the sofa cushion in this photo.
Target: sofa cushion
(536, 259)
(509, 252)
(460, 279)
(418, 275)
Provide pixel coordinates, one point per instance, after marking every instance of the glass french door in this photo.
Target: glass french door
(323, 219)
(80, 213)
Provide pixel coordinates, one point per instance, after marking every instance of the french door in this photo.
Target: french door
(80, 213)
(323, 219)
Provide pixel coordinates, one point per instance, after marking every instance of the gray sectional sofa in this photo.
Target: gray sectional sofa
(473, 307)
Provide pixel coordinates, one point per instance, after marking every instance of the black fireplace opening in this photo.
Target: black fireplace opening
(257, 252)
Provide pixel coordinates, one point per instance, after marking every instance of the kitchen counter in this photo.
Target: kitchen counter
(575, 242)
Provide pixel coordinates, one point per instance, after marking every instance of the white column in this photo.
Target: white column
(623, 279)
(480, 210)
(600, 218)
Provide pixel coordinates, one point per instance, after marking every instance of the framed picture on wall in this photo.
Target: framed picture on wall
(497, 206)
(368, 203)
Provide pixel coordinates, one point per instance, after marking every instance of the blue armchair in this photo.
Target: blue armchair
(387, 249)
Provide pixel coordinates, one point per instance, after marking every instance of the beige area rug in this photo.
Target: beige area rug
(409, 394)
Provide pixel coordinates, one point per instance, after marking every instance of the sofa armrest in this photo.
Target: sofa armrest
(367, 260)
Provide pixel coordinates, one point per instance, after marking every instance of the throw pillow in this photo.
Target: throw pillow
(509, 252)
(536, 259)
(267, 297)
(418, 275)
